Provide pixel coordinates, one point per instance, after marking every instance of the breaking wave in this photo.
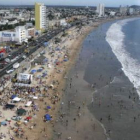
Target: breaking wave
(131, 67)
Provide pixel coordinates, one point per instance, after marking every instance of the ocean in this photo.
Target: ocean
(123, 37)
(114, 73)
(108, 69)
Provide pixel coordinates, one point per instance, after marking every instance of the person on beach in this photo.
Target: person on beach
(101, 119)
(59, 135)
(70, 85)
(68, 138)
(66, 122)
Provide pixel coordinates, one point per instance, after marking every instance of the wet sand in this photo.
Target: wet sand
(85, 126)
(75, 119)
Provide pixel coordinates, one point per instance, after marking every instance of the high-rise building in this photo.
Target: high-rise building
(40, 16)
(101, 9)
(131, 11)
(124, 10)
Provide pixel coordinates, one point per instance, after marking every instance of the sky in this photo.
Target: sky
(114, 3)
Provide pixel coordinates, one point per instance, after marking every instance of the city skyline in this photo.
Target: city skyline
(72, 2)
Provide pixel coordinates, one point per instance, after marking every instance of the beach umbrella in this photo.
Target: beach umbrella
(44, 74)
(8, 119)
(13, 96)
(46, 44)
(57, 49)
(35, 107)
(33, 90)
(40, 69)
(47, 117)
(18, 123)
(3, 123)
(57, 63)
(29, 118)
(48, 107)
(33, 71)
(65, 60)
(45, 60)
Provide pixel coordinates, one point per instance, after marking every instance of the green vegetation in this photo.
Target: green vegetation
(9, 27)
(64, 34)
(57, 40)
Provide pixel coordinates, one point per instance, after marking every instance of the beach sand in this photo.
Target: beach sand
(43, 130)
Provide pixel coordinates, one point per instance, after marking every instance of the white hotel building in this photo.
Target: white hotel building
(100, 10)
(19, 34)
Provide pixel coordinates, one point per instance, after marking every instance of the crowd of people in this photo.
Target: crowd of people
(44, 88)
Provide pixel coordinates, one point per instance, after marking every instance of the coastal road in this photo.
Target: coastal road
(37, 44)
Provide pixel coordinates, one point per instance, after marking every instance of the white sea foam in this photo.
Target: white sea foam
(131, 67)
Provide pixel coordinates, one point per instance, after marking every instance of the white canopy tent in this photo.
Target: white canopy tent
(17, 99)
(25, 77)
(28, 104)
(35, 97)
(21, 85)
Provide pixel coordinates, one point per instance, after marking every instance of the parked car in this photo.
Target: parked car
(9, 71)
(14, 59)
(9, 106)
(7, 60)
(16, 65)
(24, 57)
(1, 66)
(16, 118)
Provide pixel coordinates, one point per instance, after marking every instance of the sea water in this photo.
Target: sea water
(123, 38)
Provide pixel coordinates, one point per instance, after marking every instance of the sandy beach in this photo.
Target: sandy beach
(73, 43)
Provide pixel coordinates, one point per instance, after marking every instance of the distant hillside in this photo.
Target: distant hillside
(135, 6)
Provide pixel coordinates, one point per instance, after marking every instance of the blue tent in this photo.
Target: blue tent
(46, 44)
(65, 60)
(45, 60)
(39, 76)
(56, 60)
(57, 49)
(48, 107)
(3, 123)
(44, 74)
(13, 96)
(33, 71)
(40, 69)
(33, 90)
(47, 117)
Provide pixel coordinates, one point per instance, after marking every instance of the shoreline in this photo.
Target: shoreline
(100, 23)
(116, 102)
(73, 55)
